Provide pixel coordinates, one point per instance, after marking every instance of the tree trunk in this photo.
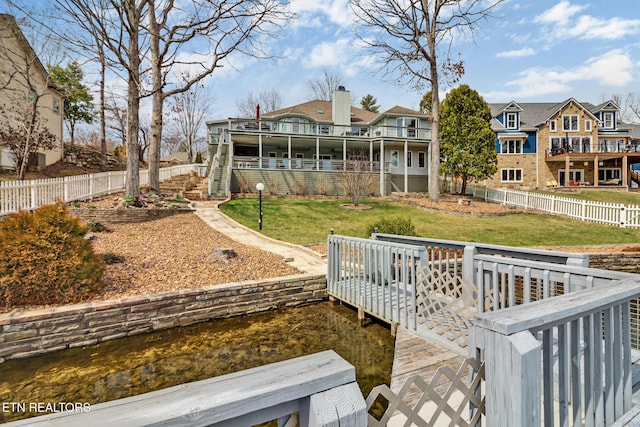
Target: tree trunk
(434, 178)
(157, 100)
(132, 185)
(103, 132)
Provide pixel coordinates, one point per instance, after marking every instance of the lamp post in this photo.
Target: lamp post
(260, 187)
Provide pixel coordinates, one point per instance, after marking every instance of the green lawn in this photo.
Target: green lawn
(308, 221)
(624, 197)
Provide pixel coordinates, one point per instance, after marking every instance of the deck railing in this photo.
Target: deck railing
(276, 163)
(600, 212)
(561, 361)
(30, 194)
(441, 285)
(316, 390)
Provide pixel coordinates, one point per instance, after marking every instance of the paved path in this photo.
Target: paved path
(301, 258)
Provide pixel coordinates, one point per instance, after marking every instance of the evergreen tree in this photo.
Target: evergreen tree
(369, 103)
(467, 141)
(78, 106)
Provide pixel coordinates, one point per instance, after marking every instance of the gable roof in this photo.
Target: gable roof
(320, 111)
(533, 114)
(9, 22)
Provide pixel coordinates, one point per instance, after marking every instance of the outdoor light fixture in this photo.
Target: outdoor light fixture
(260, 187)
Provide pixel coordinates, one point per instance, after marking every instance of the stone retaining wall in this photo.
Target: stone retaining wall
(123, 216)
(628, 262)
(30, 333)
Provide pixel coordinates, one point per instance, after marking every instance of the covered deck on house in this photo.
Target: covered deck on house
(599, 169)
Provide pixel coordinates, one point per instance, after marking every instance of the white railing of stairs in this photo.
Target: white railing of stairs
(215, 164)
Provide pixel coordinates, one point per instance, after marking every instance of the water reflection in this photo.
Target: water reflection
(135, 365)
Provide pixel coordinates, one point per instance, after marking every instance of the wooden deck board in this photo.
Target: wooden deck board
(416, 356)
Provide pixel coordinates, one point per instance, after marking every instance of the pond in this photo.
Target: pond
(143, 363)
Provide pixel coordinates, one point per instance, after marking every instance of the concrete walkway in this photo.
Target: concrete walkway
(303, 259)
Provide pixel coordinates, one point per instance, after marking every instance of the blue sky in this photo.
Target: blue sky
(542, 50)
(532, 50)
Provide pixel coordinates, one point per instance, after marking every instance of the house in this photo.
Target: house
(305, 148)
(181, 158)
(23, 79)
(571, 143)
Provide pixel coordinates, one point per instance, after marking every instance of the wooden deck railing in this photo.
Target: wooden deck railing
(316, 390)
(564, 360)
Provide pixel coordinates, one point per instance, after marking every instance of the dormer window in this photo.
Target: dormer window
(512, 121)
(570, 122)
(607, 121)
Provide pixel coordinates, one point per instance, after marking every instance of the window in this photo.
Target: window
(422, 159)
(512, 120)
(511, 146)
(607, 121)
(56, 105)
(409, 158)
(511, 175)
(587, 125)
(410, 125)
(553, 126)
(394, 158)
(570, 122)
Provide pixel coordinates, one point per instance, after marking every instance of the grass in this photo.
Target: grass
(623, 197)
(308, 221)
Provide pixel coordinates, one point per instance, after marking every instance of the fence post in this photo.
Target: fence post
(623, 216)
(34, 195)
(109, 181)
(90, 185)
(65, 188)
(340, 406)
(583, 214)
(504, 190)
(468, 272)
(512, 377)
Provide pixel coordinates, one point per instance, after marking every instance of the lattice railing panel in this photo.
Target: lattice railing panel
(461, 403)
(445, 304)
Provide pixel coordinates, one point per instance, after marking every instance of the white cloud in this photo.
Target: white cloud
(527, 51)
(611, 70)
(567, 22)
(329, 53)
(558, 14)
(337, 11)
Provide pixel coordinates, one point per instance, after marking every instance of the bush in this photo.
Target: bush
(44, 258)
(400, 226)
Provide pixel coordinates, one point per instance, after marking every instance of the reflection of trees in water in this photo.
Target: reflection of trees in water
(143, 363)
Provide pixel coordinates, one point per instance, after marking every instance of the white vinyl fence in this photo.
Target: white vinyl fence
(604, 213)
(30, 194)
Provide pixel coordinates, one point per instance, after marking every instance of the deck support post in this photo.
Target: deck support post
(394, 329)
(361, 316)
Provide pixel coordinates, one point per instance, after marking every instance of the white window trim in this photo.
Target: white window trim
(515, 121)
(577, 123)
(424, 153)
(395, 158)
(553, 126)
(519, 144)
(587, 125)
(511, 169)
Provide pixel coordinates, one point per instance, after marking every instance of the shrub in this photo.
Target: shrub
(400, 226)
(112, 258)
(44, 258)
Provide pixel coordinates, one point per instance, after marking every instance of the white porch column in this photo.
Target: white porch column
(382, 167)
(596, 170)
(317, 153)
(370, 155)
(289, 151)
(344, 153)
(625, 170)
(406, 166)
(260, 151)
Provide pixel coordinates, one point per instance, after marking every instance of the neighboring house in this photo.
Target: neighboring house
(543, 145)
(24, 79)
(181, 158)
(304, 148)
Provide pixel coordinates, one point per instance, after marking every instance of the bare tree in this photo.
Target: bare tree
(406, 37)
(267, 100)
(202, 44)
(633, 105)
(189, 111)
(356, 178)
(323, 88)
